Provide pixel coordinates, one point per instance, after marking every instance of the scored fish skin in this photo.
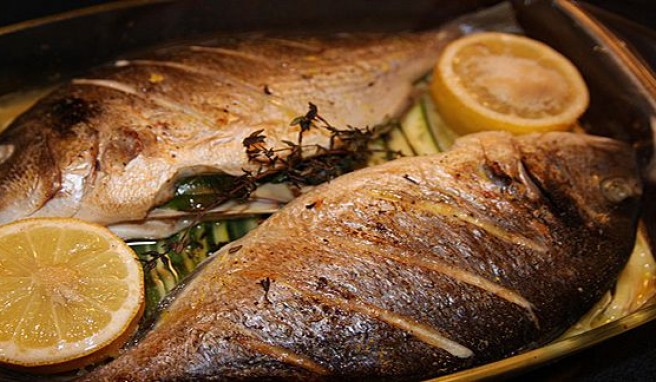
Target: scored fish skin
(108, 146)
(415, 268)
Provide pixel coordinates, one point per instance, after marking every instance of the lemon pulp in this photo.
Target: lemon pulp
(498, 81)
(68, 289)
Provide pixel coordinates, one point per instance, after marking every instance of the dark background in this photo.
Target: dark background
(628, 357)
(12, 11)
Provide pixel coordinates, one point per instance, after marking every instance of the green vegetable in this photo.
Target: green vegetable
(168, 261)
(442, 134)
(422, 132)
(196, 193)
(415, 127)
(379, 153)
(398, 142)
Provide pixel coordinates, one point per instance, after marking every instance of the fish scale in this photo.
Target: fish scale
(318, 294)
(118, 137)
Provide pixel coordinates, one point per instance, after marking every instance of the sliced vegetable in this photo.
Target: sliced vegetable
(218, 232)
(398, 142)
(168, 261)
(197, 193)
(416, 129)
(442, 134)
(240, 227)
(380, 152)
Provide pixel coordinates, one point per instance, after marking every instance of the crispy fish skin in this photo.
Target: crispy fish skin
(108, 146)
(411, 269)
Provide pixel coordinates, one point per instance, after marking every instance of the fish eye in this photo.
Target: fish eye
(617, 189)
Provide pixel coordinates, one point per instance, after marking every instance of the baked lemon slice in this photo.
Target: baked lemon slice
(499, 81)
(70, 293)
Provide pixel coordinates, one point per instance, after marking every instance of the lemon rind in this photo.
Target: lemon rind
(490, 119)
(14, 355)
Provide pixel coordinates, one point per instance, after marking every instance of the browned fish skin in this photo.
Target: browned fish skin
(419, 267)
(108, 146)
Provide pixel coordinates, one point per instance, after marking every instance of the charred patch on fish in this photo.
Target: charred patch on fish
(70, 111)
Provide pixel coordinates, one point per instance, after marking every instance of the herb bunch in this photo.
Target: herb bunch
(347, 150)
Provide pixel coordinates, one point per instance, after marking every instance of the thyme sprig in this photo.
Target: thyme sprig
(348, 149)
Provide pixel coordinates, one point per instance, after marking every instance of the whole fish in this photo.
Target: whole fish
(108, 146)
(415, 268)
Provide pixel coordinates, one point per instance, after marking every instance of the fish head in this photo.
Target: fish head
(44, 161)
(594, 179)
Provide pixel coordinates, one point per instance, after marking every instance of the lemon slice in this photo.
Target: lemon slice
(499, 81)
(70, 292)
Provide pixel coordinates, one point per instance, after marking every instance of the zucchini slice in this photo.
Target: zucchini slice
(415, 127)
(165, 264)
(442, 134)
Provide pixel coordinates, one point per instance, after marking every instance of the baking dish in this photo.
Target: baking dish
(43, 52)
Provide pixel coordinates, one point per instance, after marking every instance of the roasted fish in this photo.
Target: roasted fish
(417, 267)
(108, 146)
